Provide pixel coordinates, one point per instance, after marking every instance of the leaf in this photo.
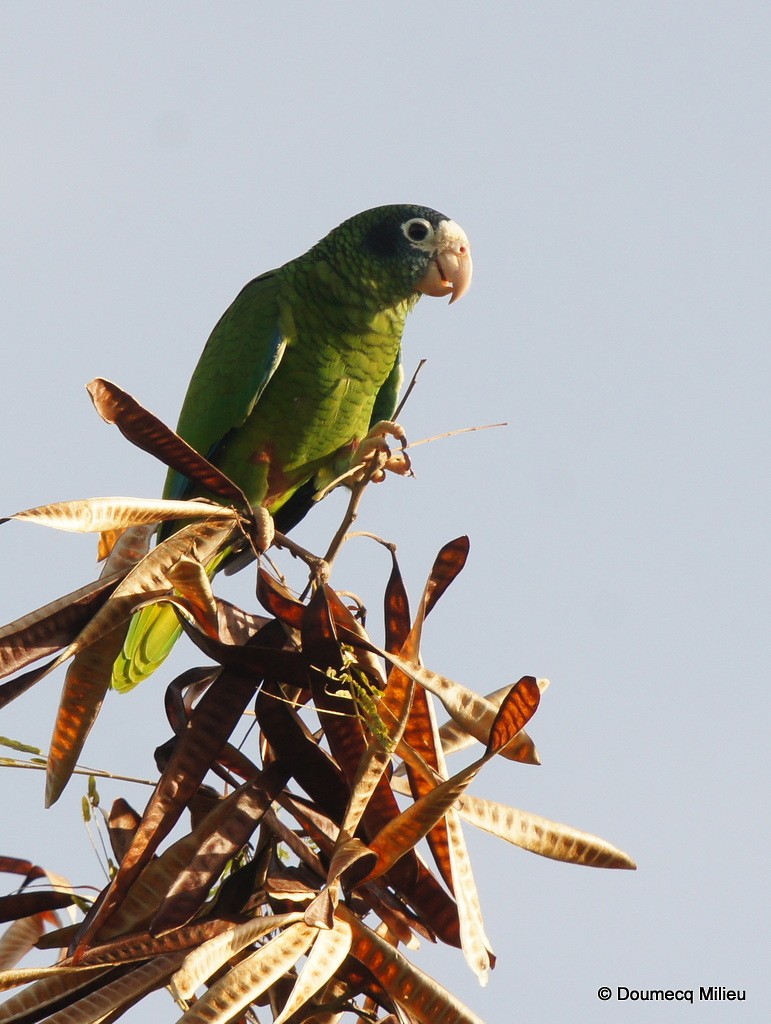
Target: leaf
(192, 583)
(15, 687)
(319, 828)
(173, 886)
(245, 982)
(340, 722)
(211, 723)
(207, 958)
(319, 636)
(517, 708)
(423, 1000)
(218, 838)
(48, 629)
(455, 738)
(255, 656)
(371, 796)
(396, 608)
(347, 852)
(17, 940)
(363, 658)
(149, 579)
(445, 838)
(472, 712)
(118, 994)
(151, 435)
(59, 938)
(25, 904)
(85, 685)
(12, 979)
(235, 625)
(101, 515)
(20, 866)
(121, 826)
(448, 563)
(542, 836)
(53, 990)
(122, 549)
(137, 588)
(369, 777)
(420, 745)
(142, 945)
(310, 765)
(420, 736)
(182, 693)
(416, 821)
(278, 601)
(474, 941)
(405, 832)
(320, 912)
(327, 954)
(435, 908)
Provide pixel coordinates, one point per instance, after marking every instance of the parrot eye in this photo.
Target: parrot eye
(417, 229)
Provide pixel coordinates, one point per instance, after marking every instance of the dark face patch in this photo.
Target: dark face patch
(386, 239)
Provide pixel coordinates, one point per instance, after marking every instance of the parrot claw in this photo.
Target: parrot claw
(397, 463)
(387, 428)
(374, 449)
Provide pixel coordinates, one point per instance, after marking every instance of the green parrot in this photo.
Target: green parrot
(298, 371)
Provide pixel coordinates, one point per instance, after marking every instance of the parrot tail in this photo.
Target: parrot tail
(151, 635)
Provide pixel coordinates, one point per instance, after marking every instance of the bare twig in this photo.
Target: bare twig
(453, 433)
(373, 536)
(408, 392)
(12, 762)
(361, 608)
(319, 567)
(351, 513)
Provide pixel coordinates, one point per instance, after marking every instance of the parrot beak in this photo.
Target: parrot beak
(451, 267)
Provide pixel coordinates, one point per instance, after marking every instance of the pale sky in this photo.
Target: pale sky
(610, 164)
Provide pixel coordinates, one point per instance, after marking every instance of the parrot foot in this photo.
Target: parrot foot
(370, 459)
(261, 534)
(265, 528)
(374, 456)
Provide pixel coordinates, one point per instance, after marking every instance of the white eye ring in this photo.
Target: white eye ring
(417, 230)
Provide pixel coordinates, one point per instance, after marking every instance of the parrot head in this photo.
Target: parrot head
(405, 251)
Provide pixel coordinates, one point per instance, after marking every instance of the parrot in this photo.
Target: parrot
(298, 373)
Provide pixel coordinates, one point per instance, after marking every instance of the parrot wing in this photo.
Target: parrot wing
(240, 357)
(388, 395)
